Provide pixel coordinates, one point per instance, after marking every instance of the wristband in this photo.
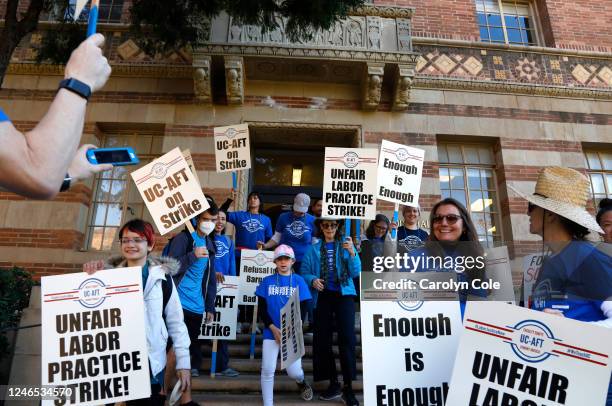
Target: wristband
(77, 87)
(66, 183)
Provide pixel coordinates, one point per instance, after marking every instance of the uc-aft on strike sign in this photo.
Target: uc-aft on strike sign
(93, 334)
(223, 326)
(409, 340)
(232, 148)
(170, 191)
(513, 356)
(349, 187)
(400, 170)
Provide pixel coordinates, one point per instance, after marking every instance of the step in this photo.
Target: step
(254, 365)
(243, 351)
(246, 339)
(280, 399)
(250, 383)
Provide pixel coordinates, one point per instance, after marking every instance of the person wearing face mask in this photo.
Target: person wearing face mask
(196, 280)
(225, 265)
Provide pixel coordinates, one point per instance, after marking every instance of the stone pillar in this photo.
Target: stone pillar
(201, 78)
(234, 79)
(372, 85)
(404, 76)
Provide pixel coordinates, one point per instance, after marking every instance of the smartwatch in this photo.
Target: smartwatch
(76, 86)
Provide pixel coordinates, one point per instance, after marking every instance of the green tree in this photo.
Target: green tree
(162, 25)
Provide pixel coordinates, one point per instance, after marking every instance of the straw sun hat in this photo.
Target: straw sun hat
(565, 192)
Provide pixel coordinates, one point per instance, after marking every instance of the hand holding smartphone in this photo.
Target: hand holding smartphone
(115, 156)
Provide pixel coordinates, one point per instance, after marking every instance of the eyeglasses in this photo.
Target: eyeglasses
(380, 228)
(450, 219)
(328, 226)
(132, 240)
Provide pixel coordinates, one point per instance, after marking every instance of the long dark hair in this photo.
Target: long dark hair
(470, 245)
(370, 230)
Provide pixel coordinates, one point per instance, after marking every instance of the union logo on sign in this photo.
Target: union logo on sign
(402, 154)
(350, 159)
(159, 170)
(230, 132)
(260, 259)
(92, 293)
(534, 342)
(411, 306)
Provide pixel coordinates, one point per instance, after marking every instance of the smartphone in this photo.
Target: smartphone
(115, 156)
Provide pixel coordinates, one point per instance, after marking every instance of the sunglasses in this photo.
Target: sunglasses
(328, 226)
(450, 219)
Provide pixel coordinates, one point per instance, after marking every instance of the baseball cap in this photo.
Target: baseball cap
(283, 251)
(301, 202)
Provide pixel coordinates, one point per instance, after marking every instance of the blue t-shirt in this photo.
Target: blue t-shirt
(277, 290)
(250, 228)
(296, 232)
(332, 277)
(575, 281)
(411, 239)
(225, 260)
(3, 117)
(190, 287)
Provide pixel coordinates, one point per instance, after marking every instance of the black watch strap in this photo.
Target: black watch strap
(66, 183)
(76, 86)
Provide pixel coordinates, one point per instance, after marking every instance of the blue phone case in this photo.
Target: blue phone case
(91, 156)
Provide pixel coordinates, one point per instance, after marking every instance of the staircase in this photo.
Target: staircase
(245, 389)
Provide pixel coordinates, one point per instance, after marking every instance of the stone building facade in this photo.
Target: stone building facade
(492, 91)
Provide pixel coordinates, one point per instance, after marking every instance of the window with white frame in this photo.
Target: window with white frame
(506, 22)
(116, 199)
(599, 168)
(467, 174)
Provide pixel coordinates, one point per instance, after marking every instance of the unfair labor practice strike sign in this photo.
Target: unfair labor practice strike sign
(232, 149)
(93, 335)
(400, 170)
(292, 338)
(349, 187)
(513, 356)
(254, 266)
(170, 191)
(409, 341)
(223, 326)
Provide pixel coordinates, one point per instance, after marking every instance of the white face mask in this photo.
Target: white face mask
(207, 227)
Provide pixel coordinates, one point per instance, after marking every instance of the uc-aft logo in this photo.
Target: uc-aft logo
(252, 225)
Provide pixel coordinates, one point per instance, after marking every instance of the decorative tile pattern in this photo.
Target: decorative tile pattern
(497, 60)
(500, 74)
(527, 70)
(444, 64)
(581, 74)
(473, 65)
(606, 75)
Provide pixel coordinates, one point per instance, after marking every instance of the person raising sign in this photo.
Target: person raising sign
(273, 292)
(163, 311)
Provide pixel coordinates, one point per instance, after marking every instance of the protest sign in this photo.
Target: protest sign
(409, 338)
(498, 268)
(400, 170)
(292, 338)
(223, 326)
(509, 355)
(93, 334)
(254, 266)
(349, 186)
(232, 148)
(170, 191)
(532, 264)
(191, 165)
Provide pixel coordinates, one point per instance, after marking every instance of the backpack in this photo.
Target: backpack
(167, 292)
(166, 250)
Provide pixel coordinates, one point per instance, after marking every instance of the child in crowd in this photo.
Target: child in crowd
(273, 292)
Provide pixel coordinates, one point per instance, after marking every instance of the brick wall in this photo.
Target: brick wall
(454, 19)
(578, 24)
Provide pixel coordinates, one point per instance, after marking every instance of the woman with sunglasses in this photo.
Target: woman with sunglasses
(453, 235)
(329, 266)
